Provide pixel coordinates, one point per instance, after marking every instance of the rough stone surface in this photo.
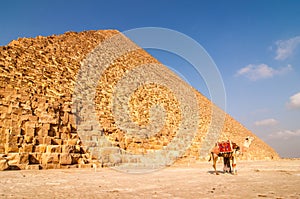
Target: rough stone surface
(38, 127)
(3, 164)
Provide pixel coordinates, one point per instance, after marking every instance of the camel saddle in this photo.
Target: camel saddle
(225, 146)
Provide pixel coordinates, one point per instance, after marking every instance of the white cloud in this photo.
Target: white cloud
(294, 101)
(285, 48)
(261, 71)
(285, 134)
(266, 122)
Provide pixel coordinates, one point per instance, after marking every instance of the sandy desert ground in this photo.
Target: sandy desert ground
(255, 179)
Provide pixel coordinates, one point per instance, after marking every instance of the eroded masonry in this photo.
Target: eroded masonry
(38, 126)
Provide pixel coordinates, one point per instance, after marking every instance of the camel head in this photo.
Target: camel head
(248, 141)
(235, 146)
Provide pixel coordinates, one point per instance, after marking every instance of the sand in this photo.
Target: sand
(255, 179)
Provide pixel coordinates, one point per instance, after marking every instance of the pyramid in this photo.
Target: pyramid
(58, 110)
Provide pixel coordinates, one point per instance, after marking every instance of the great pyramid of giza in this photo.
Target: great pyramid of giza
(46, 118)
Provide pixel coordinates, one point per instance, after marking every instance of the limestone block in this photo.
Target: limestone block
(3, 164)
(2, 148)
(33, 167)
(78, 149)
(23, 158)
(53, 149)
(30, 128)
(41, 148)
(51, 166)
(35, 158)
(12, 158)
(56, 141)
(47, 140)
(72, 142)
(65, 158)
(43, 132)
(26, 148)
(33, 118)
(50, 158)
(10, 138)
(66, 108)
(11, 147)
(7, 123)
(28, 139)
(72, 121)
(75, 158)
(16, 127)
(68, 148)
(18, 158)
(53, 132)
(48, 119)
(65, 118)
(25, 117)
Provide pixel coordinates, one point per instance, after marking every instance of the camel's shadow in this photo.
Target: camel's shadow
(219, 171)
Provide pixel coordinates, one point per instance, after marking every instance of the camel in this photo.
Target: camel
(229, 157)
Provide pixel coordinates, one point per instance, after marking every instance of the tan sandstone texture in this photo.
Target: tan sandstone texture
(37, 120)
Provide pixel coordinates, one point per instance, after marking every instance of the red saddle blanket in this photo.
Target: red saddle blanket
(225, 147)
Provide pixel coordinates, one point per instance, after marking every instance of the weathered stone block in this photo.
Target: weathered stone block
(13, 158)
(3, 164)
(33, 167)
(68, 149)
(10, 138)
(41, 148)
(15, 129)
(75, 158)
(28, 139)
(65, 118)
(35, 158)
(65, 136)
(30, 128)
(53, 132)
(48, 119)
(2, 148)
(56, 141)
(50, 158)
(24, 158)
(38, 140)
(25, 117)
(66, 108)
(53, 149)
(51, 166)
(65, 158)
(7, 123)
(11, 148)
(18, 158)
(78, 149)
(47, 140)
(26, 148)
(43, 132)
(33, 118)
(72, 142)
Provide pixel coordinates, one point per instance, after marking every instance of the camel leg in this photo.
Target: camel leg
(215, 167)
(215, 158)
(234, 171)
(226, 164)
(231, 169)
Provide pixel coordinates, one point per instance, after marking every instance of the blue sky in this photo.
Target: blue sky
(255, 45)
